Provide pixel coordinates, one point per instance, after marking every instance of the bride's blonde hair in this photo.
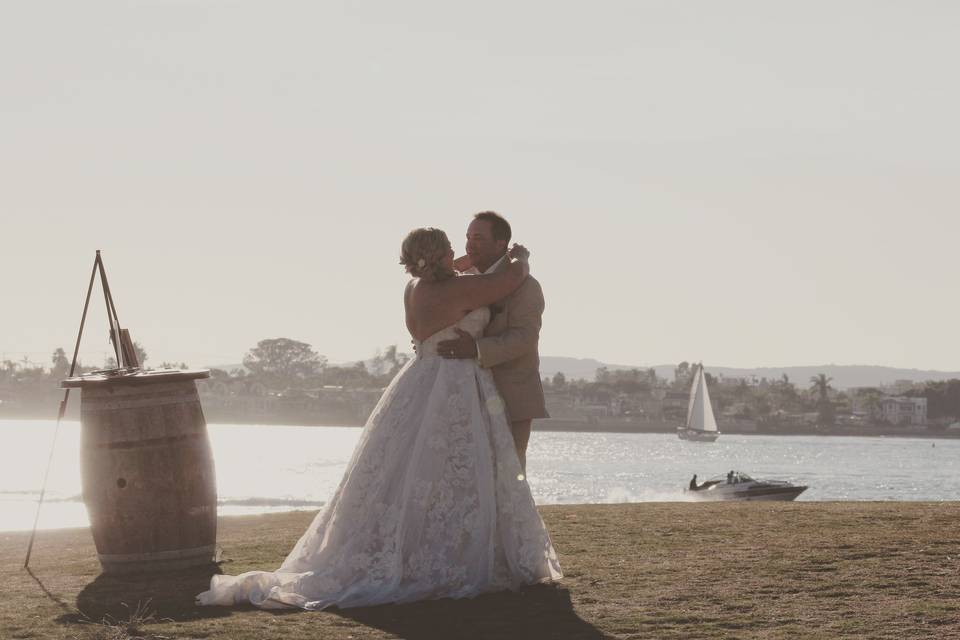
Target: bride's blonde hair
(423, 251)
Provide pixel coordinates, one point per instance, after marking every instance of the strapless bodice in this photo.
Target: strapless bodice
(473, 323)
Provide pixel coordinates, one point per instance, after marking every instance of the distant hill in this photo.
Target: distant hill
(844, 376)
(578, 368)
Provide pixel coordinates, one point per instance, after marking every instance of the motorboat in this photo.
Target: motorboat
(739, 486)
(701, 425)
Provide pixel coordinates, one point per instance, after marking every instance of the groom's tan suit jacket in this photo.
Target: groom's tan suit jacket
(509, 348)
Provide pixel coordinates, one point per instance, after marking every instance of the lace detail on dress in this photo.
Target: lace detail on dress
(432, 503)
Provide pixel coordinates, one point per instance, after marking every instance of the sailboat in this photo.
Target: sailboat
(701, 426)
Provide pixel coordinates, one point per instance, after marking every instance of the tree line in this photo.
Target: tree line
(763, 400)
(278, 363)
(282, 364)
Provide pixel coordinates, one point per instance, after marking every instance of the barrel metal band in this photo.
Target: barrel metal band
(157, 556)
(150, 442)
(101, 405)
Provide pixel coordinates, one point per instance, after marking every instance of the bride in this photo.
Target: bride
(433, 503)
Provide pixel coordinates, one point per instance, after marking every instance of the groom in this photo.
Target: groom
(509, 343)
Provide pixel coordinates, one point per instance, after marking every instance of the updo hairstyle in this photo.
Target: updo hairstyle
(423, 251)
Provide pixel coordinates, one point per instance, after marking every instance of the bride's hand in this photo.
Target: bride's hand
(519, 252)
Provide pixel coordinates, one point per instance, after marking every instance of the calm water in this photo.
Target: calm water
(274, 468)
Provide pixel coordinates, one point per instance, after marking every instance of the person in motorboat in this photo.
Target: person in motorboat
(740, 486)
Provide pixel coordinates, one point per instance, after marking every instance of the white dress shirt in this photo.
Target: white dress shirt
(474, 271)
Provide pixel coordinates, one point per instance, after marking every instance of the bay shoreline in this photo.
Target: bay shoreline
(551, 425)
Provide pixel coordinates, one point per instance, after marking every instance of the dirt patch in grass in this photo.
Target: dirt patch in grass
(663, 570)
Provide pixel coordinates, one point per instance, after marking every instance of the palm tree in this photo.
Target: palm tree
(820, 384)
(785, 393)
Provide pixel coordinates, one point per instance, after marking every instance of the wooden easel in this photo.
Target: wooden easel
(127, 361)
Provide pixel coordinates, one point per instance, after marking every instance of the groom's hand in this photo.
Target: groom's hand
(462, 348)
(462, 263)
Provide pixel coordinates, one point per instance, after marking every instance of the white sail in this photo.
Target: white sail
(699, 411)
(694, 385)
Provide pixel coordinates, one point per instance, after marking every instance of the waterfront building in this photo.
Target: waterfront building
(730, 381)
(903, 410)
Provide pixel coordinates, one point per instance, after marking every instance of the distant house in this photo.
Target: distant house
(903, 386)
(736, 410)
(750, 381)
(902, 410)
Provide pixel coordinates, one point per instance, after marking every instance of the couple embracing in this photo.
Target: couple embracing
(434, 502)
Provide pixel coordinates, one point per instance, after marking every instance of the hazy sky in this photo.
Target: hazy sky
(742, 183)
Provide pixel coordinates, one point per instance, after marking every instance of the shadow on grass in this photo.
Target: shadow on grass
(165, 596)
(542, 611)
(533, 613)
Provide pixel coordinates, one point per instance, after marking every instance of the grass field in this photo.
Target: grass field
(654, 570)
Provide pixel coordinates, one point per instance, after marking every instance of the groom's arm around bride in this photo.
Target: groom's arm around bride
(509, 346)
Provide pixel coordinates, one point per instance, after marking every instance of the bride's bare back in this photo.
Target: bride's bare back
(434, 305)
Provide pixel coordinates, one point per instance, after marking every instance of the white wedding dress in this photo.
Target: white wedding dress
(433, 503)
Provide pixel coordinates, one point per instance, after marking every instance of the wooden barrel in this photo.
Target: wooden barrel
(147, 470)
